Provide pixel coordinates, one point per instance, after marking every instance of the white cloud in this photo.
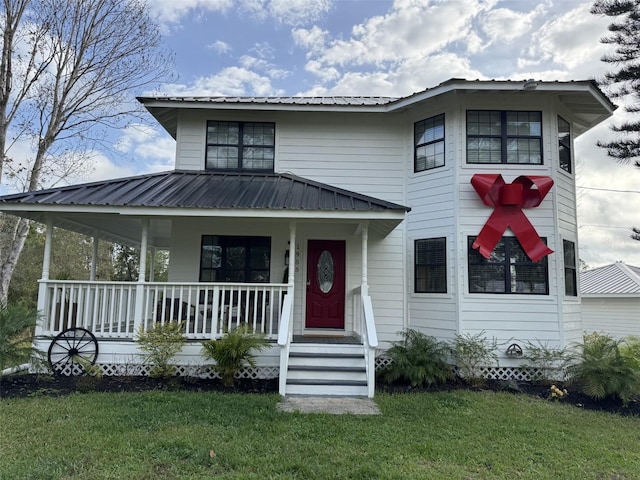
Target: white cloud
(172, 11)
(313, 39)
(572, 43)
(505, 25)
(220, 47)
(232, 81)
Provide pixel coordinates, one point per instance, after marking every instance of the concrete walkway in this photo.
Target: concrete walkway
(328, 404)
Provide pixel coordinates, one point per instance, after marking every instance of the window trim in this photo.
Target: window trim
(506, 264)
(570, 271)
(225, 241)
(568, 145)
(504, 137)
(428, 265)
(240, 145)
(432, 142)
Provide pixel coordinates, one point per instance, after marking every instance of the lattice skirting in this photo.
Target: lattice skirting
(518, 374)
(270, 372)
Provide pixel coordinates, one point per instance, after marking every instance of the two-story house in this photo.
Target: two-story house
(332, 224)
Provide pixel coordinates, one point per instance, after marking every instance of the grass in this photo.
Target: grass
(188, 435)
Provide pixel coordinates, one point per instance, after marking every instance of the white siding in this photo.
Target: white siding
(616, 316)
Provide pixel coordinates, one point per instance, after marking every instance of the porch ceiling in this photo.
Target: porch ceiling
(113, 209)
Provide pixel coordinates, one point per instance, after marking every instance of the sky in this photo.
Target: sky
(392, 48)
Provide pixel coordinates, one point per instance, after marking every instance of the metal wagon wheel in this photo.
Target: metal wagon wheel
(71, 350)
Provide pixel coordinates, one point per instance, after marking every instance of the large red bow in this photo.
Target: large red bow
(508, 200)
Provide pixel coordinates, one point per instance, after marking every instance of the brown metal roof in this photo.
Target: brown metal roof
(198, 189)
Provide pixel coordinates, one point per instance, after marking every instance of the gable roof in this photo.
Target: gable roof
(616, 279)
(583, 98)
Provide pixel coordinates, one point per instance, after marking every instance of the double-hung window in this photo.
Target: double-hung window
(507, 270)
(564, 144)
(429, 143)
(495, 136)
(570, 281)
(431, 265)
(240, 146)
(235, 259)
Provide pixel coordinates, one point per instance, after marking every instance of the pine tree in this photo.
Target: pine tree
(624, 82)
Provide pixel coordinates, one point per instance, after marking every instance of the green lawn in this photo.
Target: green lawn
(186, 435)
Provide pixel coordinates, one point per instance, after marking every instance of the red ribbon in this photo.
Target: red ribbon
(508, 200)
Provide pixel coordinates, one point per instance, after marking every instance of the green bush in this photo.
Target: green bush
(17, 324)
(417, 359)
(472, 353)
(233, 351)
(160, 344)
(604, 368)
(545, 363)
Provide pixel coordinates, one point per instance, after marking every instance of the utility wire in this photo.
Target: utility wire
(608, 189)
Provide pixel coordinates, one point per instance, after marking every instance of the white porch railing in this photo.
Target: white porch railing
(108, 309)
(365, 323)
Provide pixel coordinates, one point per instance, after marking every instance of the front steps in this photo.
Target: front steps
(326, 369)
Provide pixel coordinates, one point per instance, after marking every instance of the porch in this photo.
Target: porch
(114, 313)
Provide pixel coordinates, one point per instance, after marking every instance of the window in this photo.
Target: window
(504, 137)
(570, 283)
(431, 265)
(235, 259)
(507, 270)
(240, 146)
(429, 143)
(564, 144)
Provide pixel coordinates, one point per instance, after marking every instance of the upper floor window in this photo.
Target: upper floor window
(431, 265)
(507, 270)
(504, 137)
(240, 146)
(235, 259)
(564, 144)
(570, 282)
(429, 143)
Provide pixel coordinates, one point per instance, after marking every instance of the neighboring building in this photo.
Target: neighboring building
(611, 300)
(352, 218)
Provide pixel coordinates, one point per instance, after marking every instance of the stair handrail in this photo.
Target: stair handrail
(285, 336)
(370, 341)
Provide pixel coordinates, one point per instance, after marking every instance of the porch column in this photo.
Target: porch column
(94, 259)
(140, 300)
(292, 255)
(365, 258)
(42, 287)
(152, 265)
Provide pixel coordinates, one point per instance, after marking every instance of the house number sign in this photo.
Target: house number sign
(508, 200)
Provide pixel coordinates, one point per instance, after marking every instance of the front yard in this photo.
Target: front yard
(199, 435)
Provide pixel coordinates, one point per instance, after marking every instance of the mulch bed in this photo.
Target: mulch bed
(30, 385)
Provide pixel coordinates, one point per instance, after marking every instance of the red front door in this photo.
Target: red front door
(325, 284)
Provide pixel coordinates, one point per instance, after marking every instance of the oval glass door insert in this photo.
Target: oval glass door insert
(326, 271)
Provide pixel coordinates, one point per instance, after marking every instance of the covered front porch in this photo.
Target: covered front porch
(319, 249)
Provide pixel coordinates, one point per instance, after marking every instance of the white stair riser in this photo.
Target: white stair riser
(326, 375)
(329, 348)
(326, 362)
(335, 390)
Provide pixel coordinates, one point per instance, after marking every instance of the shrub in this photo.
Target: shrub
(545, 363)
(603, 368)
(160, 344)
(472, 353)
(417, 359)
(233, 351)
(17, 324)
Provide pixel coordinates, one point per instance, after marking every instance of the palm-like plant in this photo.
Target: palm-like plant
(16, 335)
(233, 351)
(418, 359)
(604, 369)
